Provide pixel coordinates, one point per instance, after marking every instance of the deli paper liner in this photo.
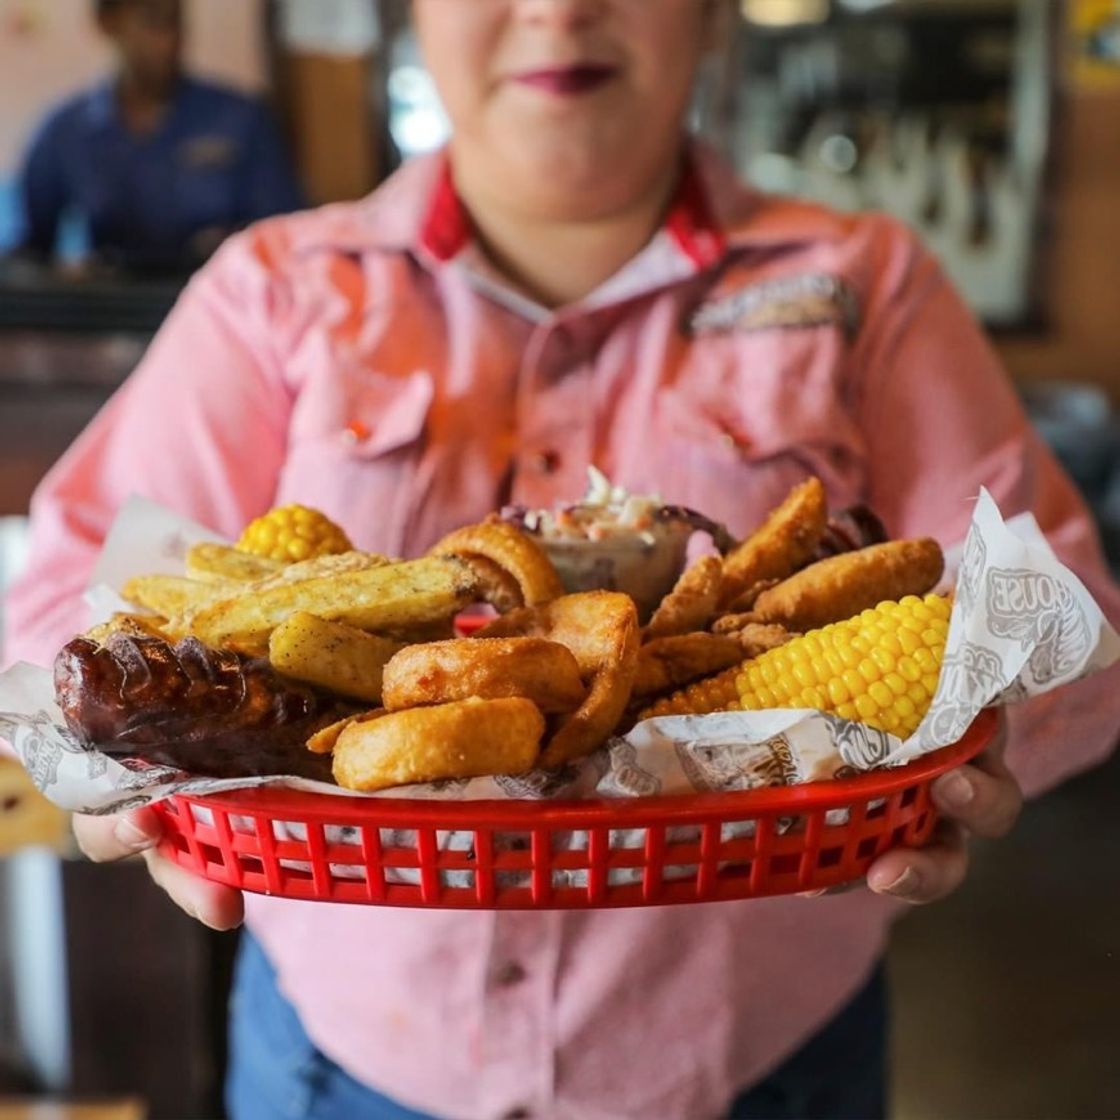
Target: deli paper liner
(1022, 624)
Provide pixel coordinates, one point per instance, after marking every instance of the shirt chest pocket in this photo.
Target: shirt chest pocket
(355, 449)
(737, 449)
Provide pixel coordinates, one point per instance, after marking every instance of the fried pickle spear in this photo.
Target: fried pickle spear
(512, 551)
(487, 668)
(601, 630)
(668, 663)
(842, 586)
(466, 739)
(692, 603)
(784, 542)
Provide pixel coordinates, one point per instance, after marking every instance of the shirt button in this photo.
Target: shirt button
(509, 975)
(356, 431)
(546, 462)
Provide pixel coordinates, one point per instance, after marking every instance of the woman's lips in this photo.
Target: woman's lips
(567, 80)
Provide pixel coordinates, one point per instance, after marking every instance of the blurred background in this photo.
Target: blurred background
(992, 126)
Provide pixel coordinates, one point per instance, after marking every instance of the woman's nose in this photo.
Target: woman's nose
(561, 13)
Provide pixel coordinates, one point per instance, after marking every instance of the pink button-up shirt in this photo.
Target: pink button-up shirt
(362, 358)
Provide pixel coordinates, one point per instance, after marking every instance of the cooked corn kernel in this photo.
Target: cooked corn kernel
(895, 683)
(293, 533)
(868, 670)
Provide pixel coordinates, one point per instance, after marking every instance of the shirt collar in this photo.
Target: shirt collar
(103, 109)
(445, 230)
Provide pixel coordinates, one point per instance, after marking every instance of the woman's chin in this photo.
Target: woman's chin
(576, 182)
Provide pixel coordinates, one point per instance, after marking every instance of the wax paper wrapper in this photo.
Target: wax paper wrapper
(1022, 624)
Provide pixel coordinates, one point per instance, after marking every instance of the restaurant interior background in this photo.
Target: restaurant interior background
(993, 126)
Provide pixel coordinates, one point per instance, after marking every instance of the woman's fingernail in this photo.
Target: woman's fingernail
(131, 836)
(954, 790)
(904, 886)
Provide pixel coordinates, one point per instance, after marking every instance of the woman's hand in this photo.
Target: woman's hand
(105, 839)
(981, 799)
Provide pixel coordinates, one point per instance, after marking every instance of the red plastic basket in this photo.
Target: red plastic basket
(533, 855)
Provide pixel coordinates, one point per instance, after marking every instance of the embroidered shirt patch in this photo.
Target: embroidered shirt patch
(808, 300)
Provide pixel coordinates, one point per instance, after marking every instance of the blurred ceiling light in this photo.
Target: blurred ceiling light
(785, 13)
(864, 5)
(839, 154)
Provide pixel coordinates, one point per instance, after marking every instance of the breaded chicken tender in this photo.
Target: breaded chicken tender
(668, 663)
(692, 603)
(785, 541)
(841, 586)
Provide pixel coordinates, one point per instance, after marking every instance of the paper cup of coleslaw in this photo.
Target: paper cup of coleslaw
(616, 541)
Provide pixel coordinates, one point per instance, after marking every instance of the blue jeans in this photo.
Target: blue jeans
(276, 1072)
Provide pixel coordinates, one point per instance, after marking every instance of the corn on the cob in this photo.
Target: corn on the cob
(879, 668)
(293, 533)
(712, 694)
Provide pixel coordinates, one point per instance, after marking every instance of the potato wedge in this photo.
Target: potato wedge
(391, 596)
(175, 596)
(221, 563)
(319, 566)
(137, 625)
(331, 655)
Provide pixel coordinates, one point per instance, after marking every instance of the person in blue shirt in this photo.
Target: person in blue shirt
(159, 166)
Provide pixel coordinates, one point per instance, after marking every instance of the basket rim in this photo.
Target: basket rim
(526, 815)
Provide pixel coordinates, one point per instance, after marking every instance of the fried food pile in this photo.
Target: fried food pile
(294, 653)
(345, 663)
(798, 572)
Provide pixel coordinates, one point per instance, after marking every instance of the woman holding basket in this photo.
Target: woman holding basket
(573, 281)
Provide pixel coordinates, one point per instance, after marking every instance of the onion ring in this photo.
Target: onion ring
(496, 586)
(467, 739)
(488, 668)
(513, 551)
(601, 630)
